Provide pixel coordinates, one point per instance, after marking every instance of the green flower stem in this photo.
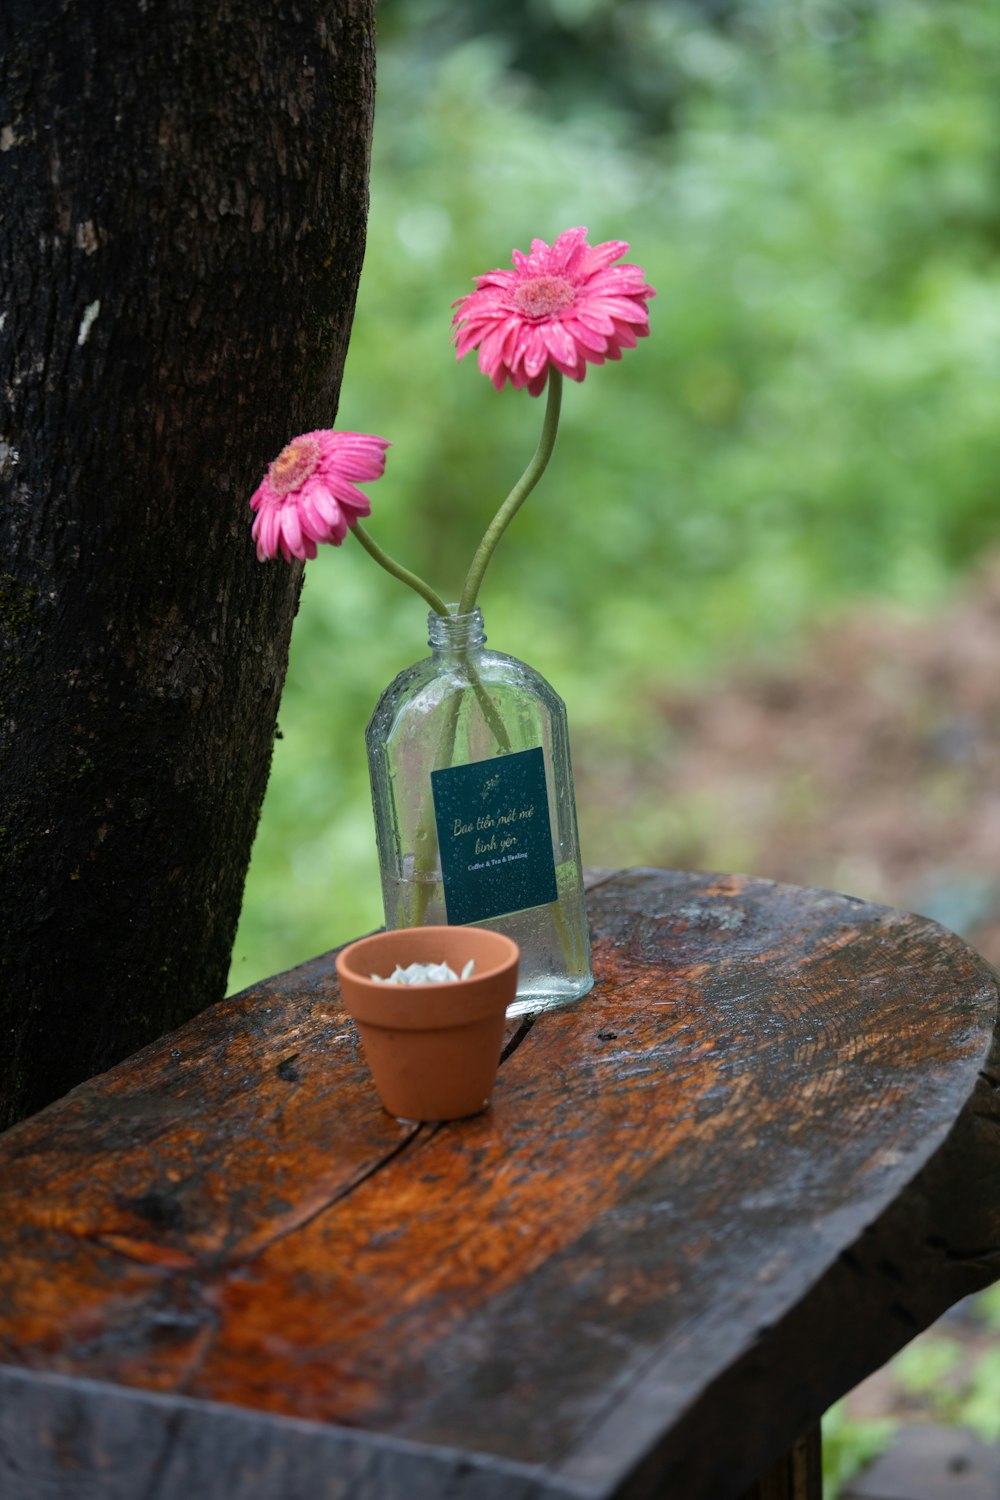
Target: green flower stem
(425, 855)
(490, 714)
(517, 496)
(404, 575)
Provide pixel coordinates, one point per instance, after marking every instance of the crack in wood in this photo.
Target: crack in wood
(525, 1024)
(173, 1421)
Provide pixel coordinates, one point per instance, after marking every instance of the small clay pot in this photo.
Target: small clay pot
(433, 1049)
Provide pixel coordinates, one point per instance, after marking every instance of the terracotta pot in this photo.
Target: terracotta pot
(433, 1049)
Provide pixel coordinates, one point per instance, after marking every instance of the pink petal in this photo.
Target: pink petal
(490, 361)
(262, 495)
(313, 525)
(560, 346)
(349, 498)
(359, 462)
(599, 322)
(625, 336)
(265, 530)
(535, 353)
(496, 283)
(495, 370)
(329, 510)
(582, 336)
(291, 529)
(599, 256)
(568, 251)
(621, 307)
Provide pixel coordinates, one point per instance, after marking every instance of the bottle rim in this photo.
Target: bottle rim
(454, 631)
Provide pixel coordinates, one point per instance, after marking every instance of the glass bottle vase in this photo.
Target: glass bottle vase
(472, 791)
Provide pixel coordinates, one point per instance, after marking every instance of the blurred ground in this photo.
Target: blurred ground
(871, 764)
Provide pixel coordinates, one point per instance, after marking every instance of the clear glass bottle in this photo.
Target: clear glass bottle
(472, 790)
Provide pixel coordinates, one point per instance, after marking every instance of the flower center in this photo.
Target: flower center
(543, 296)
(293, 465)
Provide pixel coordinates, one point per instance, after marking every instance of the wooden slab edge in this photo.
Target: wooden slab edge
(73, 1439)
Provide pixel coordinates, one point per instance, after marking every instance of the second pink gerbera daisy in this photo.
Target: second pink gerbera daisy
(310, 492)
(564, 306)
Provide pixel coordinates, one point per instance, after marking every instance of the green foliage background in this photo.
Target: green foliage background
(814, 190)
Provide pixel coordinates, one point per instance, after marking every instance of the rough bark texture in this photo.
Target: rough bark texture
(184, 194)
(706, 1201)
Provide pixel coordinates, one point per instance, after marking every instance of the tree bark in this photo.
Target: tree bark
(183, 195)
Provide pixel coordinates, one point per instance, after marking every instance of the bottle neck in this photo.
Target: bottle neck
(447, 634)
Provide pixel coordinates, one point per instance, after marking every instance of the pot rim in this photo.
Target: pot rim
(425, 1007)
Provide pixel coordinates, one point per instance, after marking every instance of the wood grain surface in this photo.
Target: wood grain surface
(708, 1198)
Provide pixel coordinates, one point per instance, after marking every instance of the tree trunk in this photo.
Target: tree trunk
(183, 193)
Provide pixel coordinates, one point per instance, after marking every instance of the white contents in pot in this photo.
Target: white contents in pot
(425, 974)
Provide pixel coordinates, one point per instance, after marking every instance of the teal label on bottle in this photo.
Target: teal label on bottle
(495, 837)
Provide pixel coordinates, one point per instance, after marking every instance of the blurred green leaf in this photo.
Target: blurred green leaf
(849, 1445)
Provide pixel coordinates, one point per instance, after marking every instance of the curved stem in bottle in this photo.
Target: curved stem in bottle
(425, 852)
(493, 719)
(517, 496)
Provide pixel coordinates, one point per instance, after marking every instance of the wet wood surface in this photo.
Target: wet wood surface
(707, 1200)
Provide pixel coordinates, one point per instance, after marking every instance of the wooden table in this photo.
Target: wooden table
(708, 1199)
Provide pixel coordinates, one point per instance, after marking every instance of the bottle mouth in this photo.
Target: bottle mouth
(453, 631)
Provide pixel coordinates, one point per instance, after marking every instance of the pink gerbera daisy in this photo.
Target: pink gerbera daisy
(310, 492)
(565, 305)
